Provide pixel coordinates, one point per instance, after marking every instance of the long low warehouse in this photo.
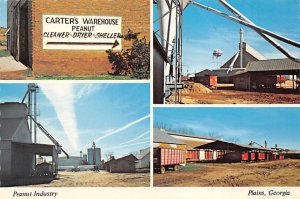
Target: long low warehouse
(170, 147)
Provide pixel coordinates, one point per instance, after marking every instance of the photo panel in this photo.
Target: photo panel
(226, 147)
(226, 52)
(66, 39)
(62, 134)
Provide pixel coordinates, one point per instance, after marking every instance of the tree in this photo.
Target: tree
(181, 130)
(134, 61)
(109, 155)
(215, 135)
(233, 139)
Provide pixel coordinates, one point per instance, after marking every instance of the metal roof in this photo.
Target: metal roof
(223, 145)
(192, 136)
(143, 153)
(273, 65)
(221, 72)
(122, 158)
(14, 125)
(161, 136)
(41, 149)
(249, 54)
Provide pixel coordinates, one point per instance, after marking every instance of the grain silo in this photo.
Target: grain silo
(94, 155)
(84, 157)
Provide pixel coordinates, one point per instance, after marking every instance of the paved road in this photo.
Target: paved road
(8, 64)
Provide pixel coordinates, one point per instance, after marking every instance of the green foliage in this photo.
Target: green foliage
(100, 77)
(134, 61)
(4, 53)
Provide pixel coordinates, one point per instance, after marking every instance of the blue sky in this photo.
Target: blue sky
(276, 125)
(204, 31)
(3, 10)
(116, 116)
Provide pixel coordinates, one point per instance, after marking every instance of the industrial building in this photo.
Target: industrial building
(204, 149)
(263, 74)
(192, 142)
(24, 161)
(233, 152)
(159, 59)
(125, 164)
(17, 151)
(236, 64)
(53, 40)
(89, 161)
(143, 160)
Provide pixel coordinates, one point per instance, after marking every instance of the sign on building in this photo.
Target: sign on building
(82, 32)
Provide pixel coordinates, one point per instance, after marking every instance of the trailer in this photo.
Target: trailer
(167, 159)
(207, 80)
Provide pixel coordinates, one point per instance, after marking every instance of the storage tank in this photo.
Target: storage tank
(84, 157)
(94, 155)
(167, 19)
(90, 156)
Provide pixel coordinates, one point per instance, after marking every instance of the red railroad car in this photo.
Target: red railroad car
(167, 158)
(281, 157)
(261, 156)
(252, 156)
(193, 155)
(245, 156)
(208, 155)
(208, 80)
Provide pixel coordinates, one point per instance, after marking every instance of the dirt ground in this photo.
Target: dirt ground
(237, 97)
(99, 179)
(273, 173)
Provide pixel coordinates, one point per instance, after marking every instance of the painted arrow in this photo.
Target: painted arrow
(114, 44)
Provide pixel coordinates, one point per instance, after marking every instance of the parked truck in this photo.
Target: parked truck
(167, 159)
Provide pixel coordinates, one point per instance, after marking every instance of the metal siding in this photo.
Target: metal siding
(273, 65)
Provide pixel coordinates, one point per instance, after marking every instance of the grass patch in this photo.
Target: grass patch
(4, 53)
(189, 167)
(100, 77)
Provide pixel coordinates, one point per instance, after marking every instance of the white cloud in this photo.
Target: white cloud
(87, 90)
(138, 137)
(62, 97)
(118, 130)
(127, 145)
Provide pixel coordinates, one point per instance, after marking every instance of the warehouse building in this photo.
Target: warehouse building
(233, 152)
(143, 162)
(291, 154)
(125, 164)
(193, 141)
(74, 161)
(17, 151)
(231, 67)
(66, 37)
(263, 74)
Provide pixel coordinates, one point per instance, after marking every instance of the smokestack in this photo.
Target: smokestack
(241, 47)
(266, 144)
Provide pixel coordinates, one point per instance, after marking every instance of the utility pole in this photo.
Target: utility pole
(241, 47)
